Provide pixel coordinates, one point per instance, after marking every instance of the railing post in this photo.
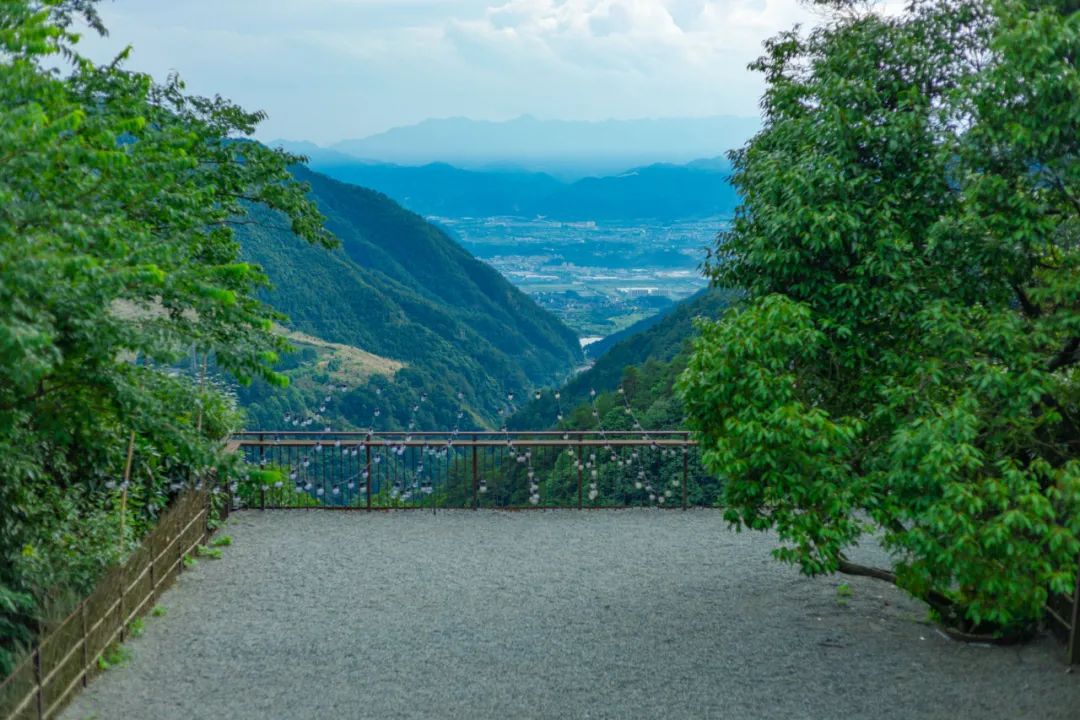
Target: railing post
(228, 502)
(685, 467)
(580, 502)
(37, 682)
(367, 470)
(85, 644)
(262, 486)
(1074, 631)
(123, 611)
(475, 478)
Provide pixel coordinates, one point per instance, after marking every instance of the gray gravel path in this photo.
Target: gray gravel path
(617, 614)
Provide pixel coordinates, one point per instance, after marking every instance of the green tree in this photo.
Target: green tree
(118, 199)
(905, 360)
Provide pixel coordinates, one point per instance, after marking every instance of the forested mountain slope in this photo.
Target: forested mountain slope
(401, 289)
(656, 352)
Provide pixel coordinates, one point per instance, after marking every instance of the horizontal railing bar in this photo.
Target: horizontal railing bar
(499, 433)
(16, 670)
(614, 442)
(25, 701)
(57, 666)
(470, 508)
(1062, 621)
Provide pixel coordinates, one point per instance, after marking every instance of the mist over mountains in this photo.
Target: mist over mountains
(661, 192)
(567, 149)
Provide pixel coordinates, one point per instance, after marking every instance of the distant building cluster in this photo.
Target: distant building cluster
(639, 291)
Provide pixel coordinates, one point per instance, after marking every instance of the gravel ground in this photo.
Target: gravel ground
(562, 614)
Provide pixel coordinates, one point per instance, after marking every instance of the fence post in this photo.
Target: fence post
(123, 612)
(579, 463)
(85, 644)
(227, 511)
(367, 455)
(1074, 631)
(37, 682)
(180, 550)
(685, 469)
(475, 478)
(262, 487)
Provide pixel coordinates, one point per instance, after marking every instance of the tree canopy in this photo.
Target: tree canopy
(118, 199)
(905, 360)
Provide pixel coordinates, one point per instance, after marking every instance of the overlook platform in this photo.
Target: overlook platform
(556, 614)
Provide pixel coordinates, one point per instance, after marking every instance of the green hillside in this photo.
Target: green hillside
(654, 356)
(400, 289)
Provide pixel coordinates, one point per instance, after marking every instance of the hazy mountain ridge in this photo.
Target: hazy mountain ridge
(568, 147)
(662, 191)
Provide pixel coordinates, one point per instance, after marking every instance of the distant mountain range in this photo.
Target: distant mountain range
(398, 312)
(568, 149)
(661, 192)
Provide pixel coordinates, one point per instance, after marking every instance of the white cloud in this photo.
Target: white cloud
(328, 69)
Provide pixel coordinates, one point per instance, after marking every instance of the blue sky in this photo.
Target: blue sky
(331, 69)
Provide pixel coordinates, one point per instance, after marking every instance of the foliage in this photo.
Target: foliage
(905, 361)
(118, 199)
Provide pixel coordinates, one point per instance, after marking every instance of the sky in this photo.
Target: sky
(327, 70)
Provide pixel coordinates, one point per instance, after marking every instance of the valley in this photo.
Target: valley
(597, 277)
(600, 251)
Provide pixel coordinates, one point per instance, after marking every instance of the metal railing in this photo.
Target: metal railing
(503, 470)
(507, 470)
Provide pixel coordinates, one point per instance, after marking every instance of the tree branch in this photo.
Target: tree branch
(1030, 309)
(849, 568)
(934, 599)
(1067, 356)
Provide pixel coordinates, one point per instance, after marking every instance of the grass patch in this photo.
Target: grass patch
(223, 541)
(159, 611)
(208, 552)
(114, 656)
(190, 562)
(136, 627)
